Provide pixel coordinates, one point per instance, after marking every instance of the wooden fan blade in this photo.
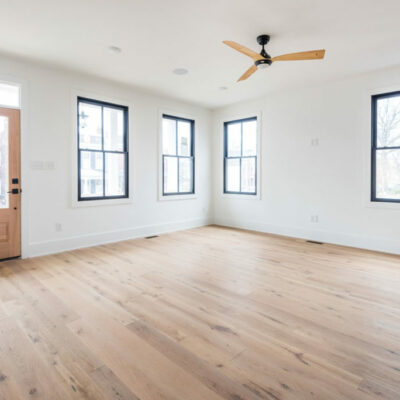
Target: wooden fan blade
(248, 73)
(303, 55)
(244, 50)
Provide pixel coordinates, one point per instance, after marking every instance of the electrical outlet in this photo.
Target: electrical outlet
(314, 219)
(314, 142)
(49, 165)
(37, 165)
(58, 227)
(42, 165)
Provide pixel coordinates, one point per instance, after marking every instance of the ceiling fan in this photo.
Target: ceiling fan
(263, 60)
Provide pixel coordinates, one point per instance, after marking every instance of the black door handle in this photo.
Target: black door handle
(13, 191)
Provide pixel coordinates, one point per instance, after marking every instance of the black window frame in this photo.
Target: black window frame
(227, 157)
(374, 144)
(163, 156)
(125, 110)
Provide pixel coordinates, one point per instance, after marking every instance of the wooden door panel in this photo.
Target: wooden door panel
(10, 203)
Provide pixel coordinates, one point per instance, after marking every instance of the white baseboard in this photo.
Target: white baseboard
(65, 244)
(353, 240)
(76, 242)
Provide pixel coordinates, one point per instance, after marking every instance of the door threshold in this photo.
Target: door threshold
(9, 258)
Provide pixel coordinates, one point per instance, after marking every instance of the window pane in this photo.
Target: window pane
(388, 174)
(388, 121)
(234, 137)
(185, 175)
(115, 174)
(248, 175)
(184, 138)
(233, 175)
(91, 174)
(170, 174)
(4, 162)
(113, 129)
(169, 136)
(9, 95)
(89, 126)
(250, 138)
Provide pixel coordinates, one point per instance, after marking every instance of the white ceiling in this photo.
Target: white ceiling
(157, 36)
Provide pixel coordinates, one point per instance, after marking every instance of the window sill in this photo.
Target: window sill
(177, 197)
(105, 202)
(386, 205)
(238, 196)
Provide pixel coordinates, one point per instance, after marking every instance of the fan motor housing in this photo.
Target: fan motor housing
(263, 62)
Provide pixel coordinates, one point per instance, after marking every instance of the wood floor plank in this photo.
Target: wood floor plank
(208, 375)
(208, 313)
(111, 385)
(8, 388)
(144, 370)
(141, 368)
(20, 361)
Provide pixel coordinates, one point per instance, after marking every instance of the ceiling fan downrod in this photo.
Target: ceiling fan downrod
(266, 61)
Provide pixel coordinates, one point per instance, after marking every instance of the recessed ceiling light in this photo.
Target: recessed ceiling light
(180, 71)
(115, 49)
(223, 88)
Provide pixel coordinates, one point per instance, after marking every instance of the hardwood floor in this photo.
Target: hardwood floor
(210, 313)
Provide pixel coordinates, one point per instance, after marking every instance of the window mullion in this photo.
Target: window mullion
(79, 171)
(179, 184)
(226, 140)
(104, 154)
(375, 128)
(240, 176)
(163, 172)
(241, 154)
(224, 169)
(177, 154)
(241, 139)
(192, 169)
(387, 148)
(255, 173)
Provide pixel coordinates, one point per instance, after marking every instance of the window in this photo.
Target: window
(385, 157)
(102, 150)
(240, 156)
(9, 95)
(177, 155)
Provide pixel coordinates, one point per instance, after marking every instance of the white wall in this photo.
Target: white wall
(298, 180)
(47, 136)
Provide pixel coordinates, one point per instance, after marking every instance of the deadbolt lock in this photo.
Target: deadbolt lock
(13, 191)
